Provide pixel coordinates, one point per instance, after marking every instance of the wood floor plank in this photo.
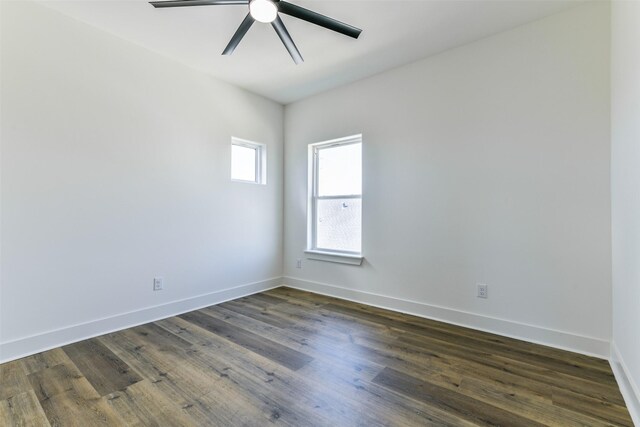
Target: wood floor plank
(46, 359)
(530, 372)
(264, 299)
(289, 357)
(72, 410)
(325, 351)
(197, 389)
(522, 404)
(498, 341)
(288, 394)
(160, 338)
(308, 344)
(68, 399)
(13, 379)
(150, 407)
(560, 365)
(104, 370)
(265, 314)
(234, 411)
(462, 406)
(291, 294)
(58, 379)
(337, 363)
(22, 410)
(129, 415)
(212, 368)
(277, 389)
(411, 346)
(596, 408)
(353, 382)
(537, 382)
(285, 356)
(274, 389)
(144, 358)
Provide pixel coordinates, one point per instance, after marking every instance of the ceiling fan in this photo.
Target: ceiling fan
(267, 11)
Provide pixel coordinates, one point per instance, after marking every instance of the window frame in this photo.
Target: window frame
(260, 160)
(313, 251)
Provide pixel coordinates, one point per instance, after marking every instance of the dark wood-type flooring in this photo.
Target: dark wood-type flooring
(294, 358)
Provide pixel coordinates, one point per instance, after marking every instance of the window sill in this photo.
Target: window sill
(334, 257)
(242, 181)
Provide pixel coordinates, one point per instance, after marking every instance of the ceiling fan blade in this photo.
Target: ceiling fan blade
(318, 19)
(180, 3)
(278, 25)
(239, 34)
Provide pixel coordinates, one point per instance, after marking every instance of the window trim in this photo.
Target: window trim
(313, 251)
(261, 160)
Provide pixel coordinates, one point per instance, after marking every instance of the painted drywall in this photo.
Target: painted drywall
(625, 194)
(116, 169)
(488, 163)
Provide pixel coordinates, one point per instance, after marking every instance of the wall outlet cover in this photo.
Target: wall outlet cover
(157, 283)
(483, 290)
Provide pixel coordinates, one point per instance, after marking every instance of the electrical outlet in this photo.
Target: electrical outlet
(157, 283)
(483, 290)
(299, 263)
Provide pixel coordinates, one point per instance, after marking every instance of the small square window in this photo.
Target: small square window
(248, 161)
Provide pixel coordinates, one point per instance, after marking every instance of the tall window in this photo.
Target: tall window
(336, 196)
(248, 161)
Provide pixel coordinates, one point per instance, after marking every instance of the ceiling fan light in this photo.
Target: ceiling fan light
(263, 10)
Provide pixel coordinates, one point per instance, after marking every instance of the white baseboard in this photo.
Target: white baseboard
(628, 387)
(27, 346)
(535, 334)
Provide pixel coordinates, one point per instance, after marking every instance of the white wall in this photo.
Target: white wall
(115, 169)
(625, 196)
(486, 163)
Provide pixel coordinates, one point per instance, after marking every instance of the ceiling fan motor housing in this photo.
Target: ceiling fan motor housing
(264, 11)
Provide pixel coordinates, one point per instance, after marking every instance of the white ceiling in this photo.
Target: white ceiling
(395, 32)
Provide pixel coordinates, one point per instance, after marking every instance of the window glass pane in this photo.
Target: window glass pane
(340, 170)
(243, 163)
(338, 224)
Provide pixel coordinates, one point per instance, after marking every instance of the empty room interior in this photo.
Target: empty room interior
(320, 213)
